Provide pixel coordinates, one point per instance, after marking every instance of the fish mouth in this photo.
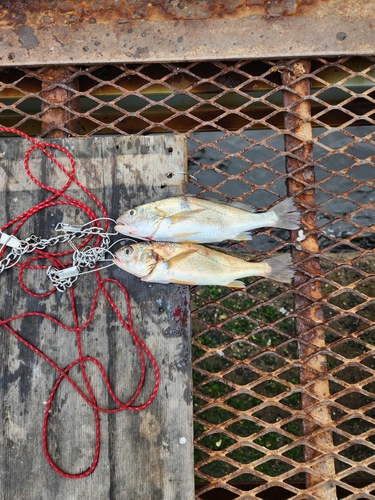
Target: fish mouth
(121, 228)
(124, 229)
(118, 262)
(121, 265)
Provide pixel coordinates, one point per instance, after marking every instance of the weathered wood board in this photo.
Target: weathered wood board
(146, 455)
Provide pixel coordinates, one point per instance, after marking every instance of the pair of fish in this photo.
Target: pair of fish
(175, 228)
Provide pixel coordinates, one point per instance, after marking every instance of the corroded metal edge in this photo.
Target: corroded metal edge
(192, 40)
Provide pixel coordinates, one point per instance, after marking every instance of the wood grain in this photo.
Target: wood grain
(145, 455)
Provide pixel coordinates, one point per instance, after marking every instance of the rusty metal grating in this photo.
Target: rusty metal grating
(284, 377)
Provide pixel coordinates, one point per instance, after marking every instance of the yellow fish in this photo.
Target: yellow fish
(190, 264)
(195, 220)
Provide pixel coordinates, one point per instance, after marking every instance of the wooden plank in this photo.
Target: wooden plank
(144, 455)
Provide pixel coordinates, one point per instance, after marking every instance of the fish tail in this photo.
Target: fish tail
(281, 268)
(287, 216)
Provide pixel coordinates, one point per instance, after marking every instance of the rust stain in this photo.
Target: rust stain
(298, 140)
(47, 13)
(58, 107)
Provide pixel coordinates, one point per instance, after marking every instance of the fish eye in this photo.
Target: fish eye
(128, 250)
(131, 212)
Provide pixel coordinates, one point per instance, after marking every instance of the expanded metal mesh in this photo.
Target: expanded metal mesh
(284, 397)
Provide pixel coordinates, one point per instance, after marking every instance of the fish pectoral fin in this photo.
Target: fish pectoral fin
(165, 263)
(236, 284)
(183, 216)
(181, 256)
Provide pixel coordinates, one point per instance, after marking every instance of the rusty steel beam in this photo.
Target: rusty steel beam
(41, 31)
(300, 185)
(58, 118)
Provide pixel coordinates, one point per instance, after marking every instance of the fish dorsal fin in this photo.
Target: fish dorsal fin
(248, 257)
(242, 206)
(234, 204)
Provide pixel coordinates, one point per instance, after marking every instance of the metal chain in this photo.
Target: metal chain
(85, 257)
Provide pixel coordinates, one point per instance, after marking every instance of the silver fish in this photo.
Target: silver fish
(190, 264)
(195, 220)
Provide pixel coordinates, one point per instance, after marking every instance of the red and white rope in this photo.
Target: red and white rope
(59, 197)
